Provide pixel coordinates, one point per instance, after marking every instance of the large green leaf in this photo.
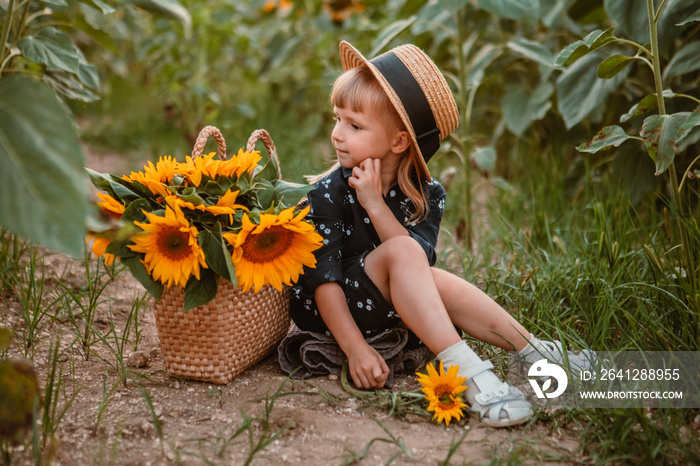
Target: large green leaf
(138, 270)
(171, 9)
(51, 48)
(610, 136)
(216, 253)
(613, 65)
(43, 196)
(520, 107)
(198, 292)
(533, 50)
(520, 10)
(684, 61)
(690, 19)
(391, 31)
(572, 52)
(580, 91)
(630, 18)
(661, 135)
(290, 193)
(647, 104)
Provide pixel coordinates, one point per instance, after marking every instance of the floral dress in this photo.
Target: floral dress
(348, 236)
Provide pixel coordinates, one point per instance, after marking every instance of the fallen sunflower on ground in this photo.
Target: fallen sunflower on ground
(442, 390)
(206, 219)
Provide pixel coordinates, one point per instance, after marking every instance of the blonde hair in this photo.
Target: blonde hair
(357, 89)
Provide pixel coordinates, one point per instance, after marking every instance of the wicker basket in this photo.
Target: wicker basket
(217, 341)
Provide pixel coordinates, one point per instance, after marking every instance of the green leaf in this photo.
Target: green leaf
(270, 172)
(43, 196)
(485, 158)
(213, 188)
(690, 19)
(171, 9)
(190, 195)
(51, 48)
(68, 85)
(290, 193)
(217, 255)
(138, 270)
(267, 196)
(661, 135)
(134, 211)
(647, 104)
(580, 91)
(610, 136)
(613, 65)
(520, 107)
(688, 125)
(533, 50)
(684, 61)
(99, 5)
(482, 60)
(630, 17)
(519, 10)
(453, 6)
(88, 76)
(198, 292)
(583, 47)
(388, 34)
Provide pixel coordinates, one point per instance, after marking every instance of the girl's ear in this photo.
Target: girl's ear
(402, 141)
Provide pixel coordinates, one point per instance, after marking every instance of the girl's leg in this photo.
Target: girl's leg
(399, 269)
(476, 313)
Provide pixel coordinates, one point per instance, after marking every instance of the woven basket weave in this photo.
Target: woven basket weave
(217, 341)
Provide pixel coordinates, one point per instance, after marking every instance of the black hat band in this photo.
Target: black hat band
(414, 101)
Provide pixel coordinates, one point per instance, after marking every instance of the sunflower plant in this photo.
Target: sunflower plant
(190, 224)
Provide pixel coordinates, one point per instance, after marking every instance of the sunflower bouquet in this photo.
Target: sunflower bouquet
(189, 224)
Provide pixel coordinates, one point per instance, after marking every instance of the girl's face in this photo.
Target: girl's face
(361, 135)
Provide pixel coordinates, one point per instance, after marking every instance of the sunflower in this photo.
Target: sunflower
(242, 162)
(156, 186)
(226, 205)
(274, 251)
(164, 170)
(99, 246)
(442, 392)
(340, 10)
(169, 243)
(111, 206)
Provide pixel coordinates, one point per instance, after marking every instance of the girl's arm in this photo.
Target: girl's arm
(367, 367)
(367, 181)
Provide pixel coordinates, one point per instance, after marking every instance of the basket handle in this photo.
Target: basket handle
(202, 141)
(264, 136)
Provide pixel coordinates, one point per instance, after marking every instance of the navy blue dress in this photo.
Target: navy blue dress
(348, 236)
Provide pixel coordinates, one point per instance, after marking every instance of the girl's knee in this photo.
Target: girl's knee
(403, 248)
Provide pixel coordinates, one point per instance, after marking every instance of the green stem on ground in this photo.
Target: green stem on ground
(675, 191)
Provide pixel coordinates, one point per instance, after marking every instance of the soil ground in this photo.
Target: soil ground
(322, 425)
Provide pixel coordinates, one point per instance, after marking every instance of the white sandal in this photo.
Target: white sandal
(498, 404)
(553, 351)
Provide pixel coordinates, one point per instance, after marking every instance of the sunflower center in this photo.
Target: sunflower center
(443, 394)
(173, 243)
(268, 245)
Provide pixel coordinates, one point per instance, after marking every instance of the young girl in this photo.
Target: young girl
(379, 212)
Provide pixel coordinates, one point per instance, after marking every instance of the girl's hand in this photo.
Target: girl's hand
(367, 367)
(367, 181)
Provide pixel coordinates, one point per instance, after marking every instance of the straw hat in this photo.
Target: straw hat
(417, 90)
